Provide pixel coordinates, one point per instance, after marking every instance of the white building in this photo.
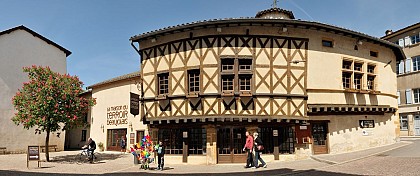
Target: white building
(20, 47)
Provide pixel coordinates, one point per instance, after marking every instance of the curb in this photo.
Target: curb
(323, 160)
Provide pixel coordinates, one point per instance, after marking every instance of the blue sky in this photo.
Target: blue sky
(98, 31)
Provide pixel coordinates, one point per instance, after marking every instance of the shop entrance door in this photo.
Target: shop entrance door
(319, 136)
(114, 137)
(417, 125)
(230, 142)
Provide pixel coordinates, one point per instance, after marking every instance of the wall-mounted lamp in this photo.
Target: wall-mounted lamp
(130, 125)
(102, 127)
(219, 29)
(153, 40)
(359, 42)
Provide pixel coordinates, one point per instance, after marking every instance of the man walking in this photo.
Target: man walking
(248, 148)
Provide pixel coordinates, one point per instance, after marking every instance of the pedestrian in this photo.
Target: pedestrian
(160, 150)
(258, 148)
(123, 144)
(249, 144)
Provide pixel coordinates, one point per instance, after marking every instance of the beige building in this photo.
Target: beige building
(408, 77)
(21, 47)
(110, 119)
(306, 87)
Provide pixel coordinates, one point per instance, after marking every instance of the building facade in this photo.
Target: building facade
(110, 119)
(408, 78)
(306, 87)
(21, 47)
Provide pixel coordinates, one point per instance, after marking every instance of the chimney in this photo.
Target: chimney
(388, 32)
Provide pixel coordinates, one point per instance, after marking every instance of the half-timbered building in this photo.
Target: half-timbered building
(306, 87)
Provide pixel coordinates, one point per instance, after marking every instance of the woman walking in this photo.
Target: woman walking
(258, 148)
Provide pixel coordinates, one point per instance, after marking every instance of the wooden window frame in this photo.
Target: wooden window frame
(193, 81)
(242, 66)
(161, 78)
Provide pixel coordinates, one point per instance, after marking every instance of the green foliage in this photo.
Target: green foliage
(50, 101)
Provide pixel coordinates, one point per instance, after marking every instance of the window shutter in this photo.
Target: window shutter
(407, 41)
(399, 99)
(408, 65)
(401, 67)
(401, 42)
(408, 96)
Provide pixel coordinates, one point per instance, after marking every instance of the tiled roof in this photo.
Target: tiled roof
(119, 78)
(417, 25)
(21, 27)
(261, 13)
(247, 20)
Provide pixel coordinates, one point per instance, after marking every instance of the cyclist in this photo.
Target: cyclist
(91, 146)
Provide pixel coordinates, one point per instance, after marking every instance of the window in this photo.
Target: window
(416, 63)
(236, 75)
(403, 123)
(358, 81)
(227, 82)
(228, 64)
(416, 93)
(399, 97)
(84, 135)
(327, 43)
(245, 64)
(245, 83)
(163, 83)
(408, 96)
(358, 66)
(198, 141)
(415, 39)
(346, 80)
(371, 69)
(373, 53)
(371, 82)
(172, 140)
(194, 80)
(347, 64)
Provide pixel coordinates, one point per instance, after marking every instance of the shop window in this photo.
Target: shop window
(286, 138)
(347, 64)
(373, 53)
(163, 83)
(327, 43)
(84, 135)
(194, 81)
(403, 123)
(198, 141)
(172, 140)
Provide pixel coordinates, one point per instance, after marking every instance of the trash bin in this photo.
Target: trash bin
(136, 161)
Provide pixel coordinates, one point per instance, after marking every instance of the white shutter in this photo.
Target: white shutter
(399, 99)
(408, 96)
(408, 65)
(407, 41)
(401, 67)
(401, 42)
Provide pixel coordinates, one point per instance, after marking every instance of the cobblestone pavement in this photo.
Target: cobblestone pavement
(387, 160)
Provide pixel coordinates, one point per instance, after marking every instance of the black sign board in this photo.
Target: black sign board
(367, 123)
(33, 154)
(134, 103)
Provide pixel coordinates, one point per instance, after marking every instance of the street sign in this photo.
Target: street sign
(134, 103)
(33, 154)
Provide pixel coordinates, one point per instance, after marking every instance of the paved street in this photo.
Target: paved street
(397, 159)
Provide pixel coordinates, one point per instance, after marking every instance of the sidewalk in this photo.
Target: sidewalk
(115, 163)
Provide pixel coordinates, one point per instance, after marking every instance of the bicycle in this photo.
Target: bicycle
(84, 156)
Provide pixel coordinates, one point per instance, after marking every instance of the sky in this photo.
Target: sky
(97, 32)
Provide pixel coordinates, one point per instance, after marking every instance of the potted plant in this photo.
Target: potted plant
(101, 146)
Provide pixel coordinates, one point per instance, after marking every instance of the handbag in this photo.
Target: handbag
(260, 147)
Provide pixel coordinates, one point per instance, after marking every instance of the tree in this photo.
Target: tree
(50, 102)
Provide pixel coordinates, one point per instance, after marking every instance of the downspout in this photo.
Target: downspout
(142, 105)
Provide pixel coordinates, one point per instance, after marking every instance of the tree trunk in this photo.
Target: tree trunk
(47, 143)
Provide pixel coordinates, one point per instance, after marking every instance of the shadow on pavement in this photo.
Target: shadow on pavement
(70, 159)
(251, 172)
